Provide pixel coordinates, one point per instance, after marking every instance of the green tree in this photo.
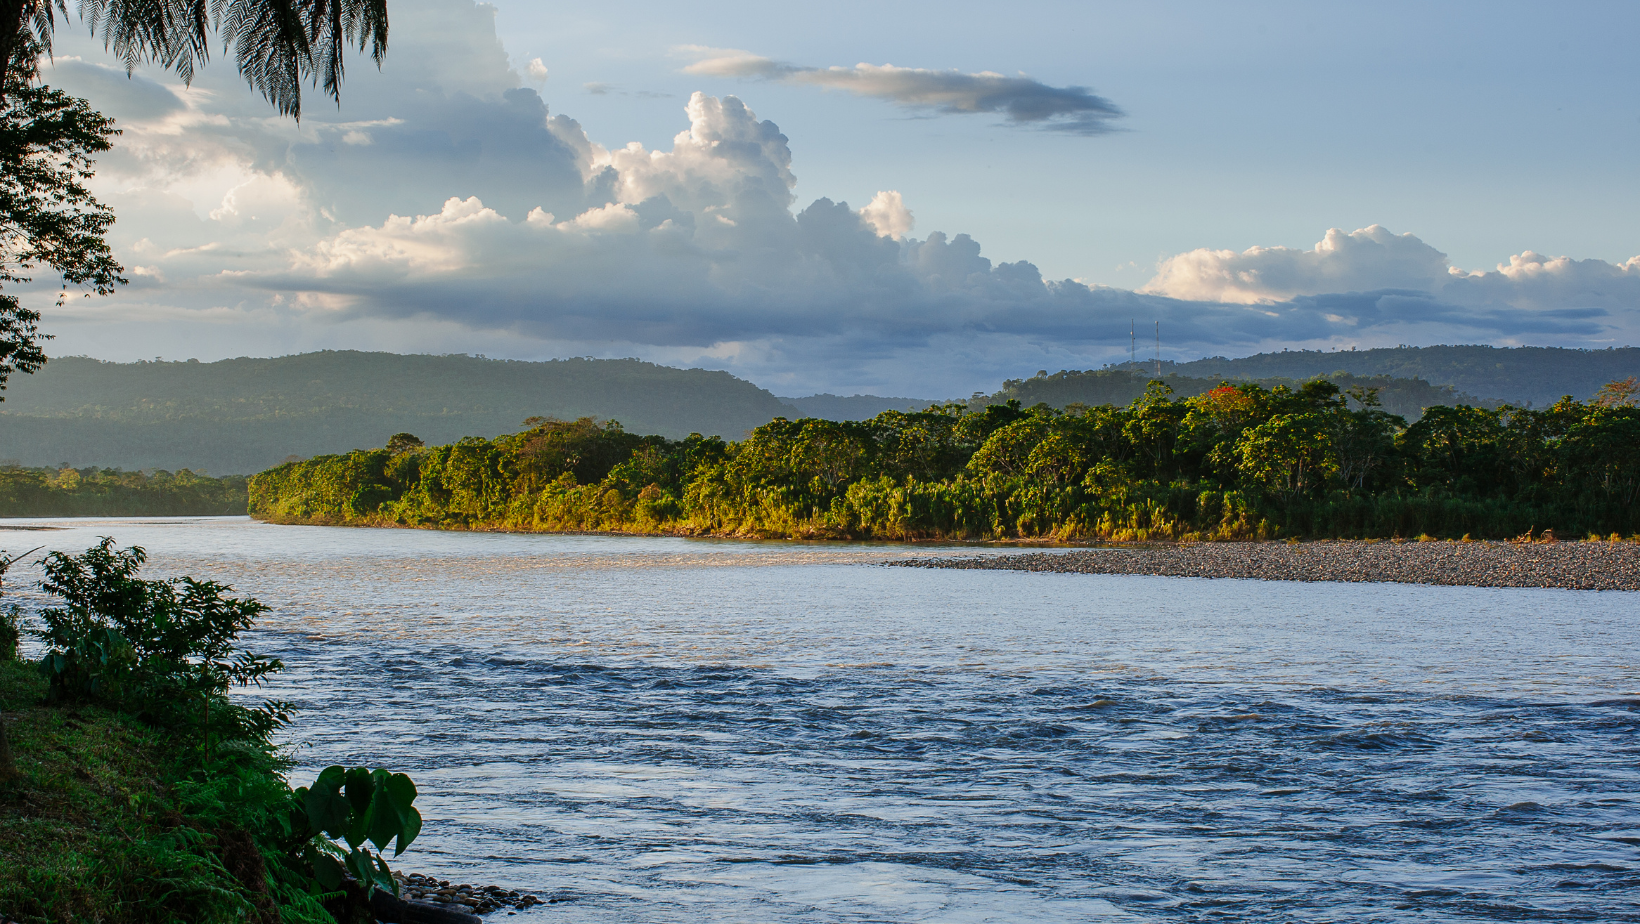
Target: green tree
(1289, 454)
(48, 218)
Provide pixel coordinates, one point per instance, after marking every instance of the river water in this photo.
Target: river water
(663, 730)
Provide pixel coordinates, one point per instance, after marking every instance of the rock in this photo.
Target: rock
(1569, 565)
(391, 910)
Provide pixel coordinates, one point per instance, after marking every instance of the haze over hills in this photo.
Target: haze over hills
(1518, 375)
(244, 415)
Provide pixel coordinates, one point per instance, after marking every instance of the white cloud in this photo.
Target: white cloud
(1371, 258)
(536, 70)
(1373, 277)
(887, 213)
(1020, 99)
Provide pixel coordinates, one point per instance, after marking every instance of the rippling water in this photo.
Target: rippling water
(657, 730)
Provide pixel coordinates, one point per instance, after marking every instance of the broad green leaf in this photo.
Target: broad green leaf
(330, 778)
(385, 820)
(327, 871)
(403, 790)
(412, 827)
(326, 811)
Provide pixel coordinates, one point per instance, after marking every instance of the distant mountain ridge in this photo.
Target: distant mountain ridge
(1519, 375)
(238, 416)
(1405, 397)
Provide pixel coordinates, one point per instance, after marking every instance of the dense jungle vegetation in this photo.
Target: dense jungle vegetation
(91, 492)
(1239, 461)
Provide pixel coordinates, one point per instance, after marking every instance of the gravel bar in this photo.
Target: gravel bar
(1570, 565)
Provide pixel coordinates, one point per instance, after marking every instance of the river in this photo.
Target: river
(668, 730)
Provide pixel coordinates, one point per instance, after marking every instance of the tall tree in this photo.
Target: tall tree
(278, 44)
(48, 218)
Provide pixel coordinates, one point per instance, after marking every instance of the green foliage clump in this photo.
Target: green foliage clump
(186, 814)
(68, 492)
(358, 806)
(1239, 461)
(153, 648)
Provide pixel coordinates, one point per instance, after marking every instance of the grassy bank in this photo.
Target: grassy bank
(102, 822)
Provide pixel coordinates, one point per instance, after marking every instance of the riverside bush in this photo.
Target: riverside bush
(1237, 462)
(185, 813)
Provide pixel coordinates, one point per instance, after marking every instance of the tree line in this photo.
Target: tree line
(94, 492)
(1241, 461)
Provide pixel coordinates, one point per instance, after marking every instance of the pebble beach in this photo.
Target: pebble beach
(1571, 565)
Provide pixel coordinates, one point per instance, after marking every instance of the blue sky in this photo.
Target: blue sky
(1467, 169)
(1485, 128)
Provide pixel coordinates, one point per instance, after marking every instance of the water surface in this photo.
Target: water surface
(657, 730)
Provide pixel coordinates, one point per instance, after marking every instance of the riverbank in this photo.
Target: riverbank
(1569, 565)
(96, 823)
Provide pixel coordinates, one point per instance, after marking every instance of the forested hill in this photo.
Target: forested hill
(1518, 375)
(1404, 397)
(245, 415)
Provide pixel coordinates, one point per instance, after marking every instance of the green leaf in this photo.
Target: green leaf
(327, 871)
(359, 866)
(330, 779)
(387, 877)
(403, 790)
(412, 827)
(361, 791)
(327, 811)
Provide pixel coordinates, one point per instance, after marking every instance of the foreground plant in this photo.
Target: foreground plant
(358, 806)
(216, 833)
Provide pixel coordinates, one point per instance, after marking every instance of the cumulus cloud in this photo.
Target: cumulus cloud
(1021, 100)
(445, 208)
(1372, 277)
(1371, 258)
(886, 212)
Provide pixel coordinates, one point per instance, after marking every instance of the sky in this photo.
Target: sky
(911, 199)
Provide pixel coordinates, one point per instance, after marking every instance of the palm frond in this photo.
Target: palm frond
(278, 44)
(172, 33)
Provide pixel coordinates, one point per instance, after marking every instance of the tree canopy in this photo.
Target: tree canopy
(1240, 461)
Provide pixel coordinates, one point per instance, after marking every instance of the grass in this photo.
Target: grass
(100, 822)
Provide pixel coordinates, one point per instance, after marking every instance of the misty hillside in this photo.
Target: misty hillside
(1406, 397)
(854, 407)
(244, 415)
(1518, 375)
